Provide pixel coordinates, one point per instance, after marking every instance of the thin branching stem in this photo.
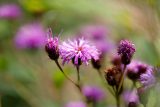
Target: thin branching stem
(57, 63)
(122, 78)
(78, 75)
(78, 78)
(103, 79)
(117, 99)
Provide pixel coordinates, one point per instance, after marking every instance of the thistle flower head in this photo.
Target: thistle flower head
(131, 98)
(93, 93)
(126, 50)
(30, 36)
(135, 69)
(51, 46)
(78, 51)
(75, 104)
(10, 11)
(148, 79)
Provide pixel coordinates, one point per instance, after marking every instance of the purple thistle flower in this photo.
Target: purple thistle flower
(97, 34)
(148, 79)
(30, 36)
(131, 98)
(10, 11)
(135, 69)
(126, 50)
(93, 93)
(75, 104)
(78, 51)
(51, 46)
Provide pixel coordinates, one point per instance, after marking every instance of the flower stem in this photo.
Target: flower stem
(57, 63)
(78, 75)
(78, 79)
(122, 78)
(94, 104)
(100, 73)
(117, 100)
(103, 79)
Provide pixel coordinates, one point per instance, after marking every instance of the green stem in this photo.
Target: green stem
(122, 78)
(78, 75)
(100, 73)
(78, 79)
(117, 100)
(0, 101)
(94, 104)
(103, 79)
(57, 63)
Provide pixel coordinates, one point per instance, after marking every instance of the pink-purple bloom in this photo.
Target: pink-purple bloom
(79, 50)
(126, 50)
(51, 46)
(148, 79)
(75, 104)
(98, 34)
(30, 36)
(93, 93)
(136, 68)
(131, 98)
(10, 11)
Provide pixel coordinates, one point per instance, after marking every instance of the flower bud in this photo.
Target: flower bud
(135, 69)
(51, 47)
(126, 50)
(113, 76)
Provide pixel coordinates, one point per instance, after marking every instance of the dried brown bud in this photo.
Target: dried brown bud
(113, 76)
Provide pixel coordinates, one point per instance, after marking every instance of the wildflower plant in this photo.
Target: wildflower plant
(81, 51)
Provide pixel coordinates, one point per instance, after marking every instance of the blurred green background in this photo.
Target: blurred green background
(28, 78)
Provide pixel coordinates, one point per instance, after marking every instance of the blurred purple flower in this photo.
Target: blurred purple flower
(148, 79)
(131, 98)
(135, 69)
(93, 93)
(30, 36)
(51, 46)
(78, 51)
(75, 104)
(94, 32)
(116, 60)
(10, 11)
(97, 34)
(126, 50)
